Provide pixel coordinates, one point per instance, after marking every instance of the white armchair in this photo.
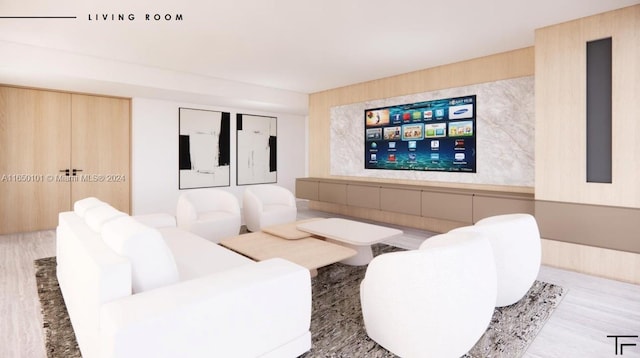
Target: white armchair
(266, 205)
(433, 302)
(213, 214)
(515, 240)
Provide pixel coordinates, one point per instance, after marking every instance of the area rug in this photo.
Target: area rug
(337, 328)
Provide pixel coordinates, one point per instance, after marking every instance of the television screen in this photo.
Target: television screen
(437, 135)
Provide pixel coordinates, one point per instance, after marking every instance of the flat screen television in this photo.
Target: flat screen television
(437, 135)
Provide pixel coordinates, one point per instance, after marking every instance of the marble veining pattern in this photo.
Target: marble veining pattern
(504, 134)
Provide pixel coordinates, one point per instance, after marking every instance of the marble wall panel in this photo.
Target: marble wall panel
(504, 135)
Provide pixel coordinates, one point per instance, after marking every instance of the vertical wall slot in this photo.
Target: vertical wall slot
(599, 122)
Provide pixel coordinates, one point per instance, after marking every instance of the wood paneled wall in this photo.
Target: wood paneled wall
(567, 206)
(513, 64)
(559, 61)
(560, 53)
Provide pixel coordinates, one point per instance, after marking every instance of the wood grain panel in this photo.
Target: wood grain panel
(101, 149)
(593, 225)
(485, 206)
(612, 264)
(332, 193)
(560, 58)
(35, 136)
(403, 201)
(432, 185)
(306, 189)
(363, 196)
(448, 206)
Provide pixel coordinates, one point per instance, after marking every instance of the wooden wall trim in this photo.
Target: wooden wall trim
(560, 107)
(63, 91)
(607, 227)
(611, 264)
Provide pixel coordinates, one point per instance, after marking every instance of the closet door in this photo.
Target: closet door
(35, 141)
(100, 149)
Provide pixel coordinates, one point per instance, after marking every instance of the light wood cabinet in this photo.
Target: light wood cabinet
(45, 132)
(424, 207)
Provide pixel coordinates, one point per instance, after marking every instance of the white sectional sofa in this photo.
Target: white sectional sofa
(137, 291)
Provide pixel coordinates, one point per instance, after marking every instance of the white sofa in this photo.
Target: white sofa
(136, 291)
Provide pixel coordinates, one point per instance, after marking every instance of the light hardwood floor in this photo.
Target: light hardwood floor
(21, 332)
(592, 309)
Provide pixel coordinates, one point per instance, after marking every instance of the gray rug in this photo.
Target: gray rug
(336, 326)
(60, 341)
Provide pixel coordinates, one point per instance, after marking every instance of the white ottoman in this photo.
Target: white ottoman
(515, 241)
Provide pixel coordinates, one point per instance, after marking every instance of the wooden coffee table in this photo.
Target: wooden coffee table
(353, 234)
(289, 231)
(307, 252)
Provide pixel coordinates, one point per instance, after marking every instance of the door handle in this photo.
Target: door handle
(75, 171)
(65, 171)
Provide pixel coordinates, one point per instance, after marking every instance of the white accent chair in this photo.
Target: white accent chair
(436, 301)
(266, 205)
(515, 240)
(213, 214)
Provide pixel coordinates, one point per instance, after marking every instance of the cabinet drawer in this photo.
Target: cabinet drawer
(363, 196)
(402, 201)
(332, 193)
(447, 206)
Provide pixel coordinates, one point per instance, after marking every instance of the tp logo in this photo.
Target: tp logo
(622, 345)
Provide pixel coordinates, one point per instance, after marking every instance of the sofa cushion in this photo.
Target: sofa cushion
(97, 216)
(196, 256)
(81, 206)
(152, 263)
(156, 220)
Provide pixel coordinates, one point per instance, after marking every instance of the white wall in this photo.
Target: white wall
(155, 152)
(157, 94)
(25, 65)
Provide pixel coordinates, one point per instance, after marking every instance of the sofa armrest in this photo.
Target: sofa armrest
(243, 312)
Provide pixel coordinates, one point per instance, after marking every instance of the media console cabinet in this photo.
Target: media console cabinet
(431, 208)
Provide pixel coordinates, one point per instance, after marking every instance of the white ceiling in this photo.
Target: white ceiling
(295, 45)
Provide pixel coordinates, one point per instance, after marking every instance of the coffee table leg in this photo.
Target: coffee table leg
(363, 257)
